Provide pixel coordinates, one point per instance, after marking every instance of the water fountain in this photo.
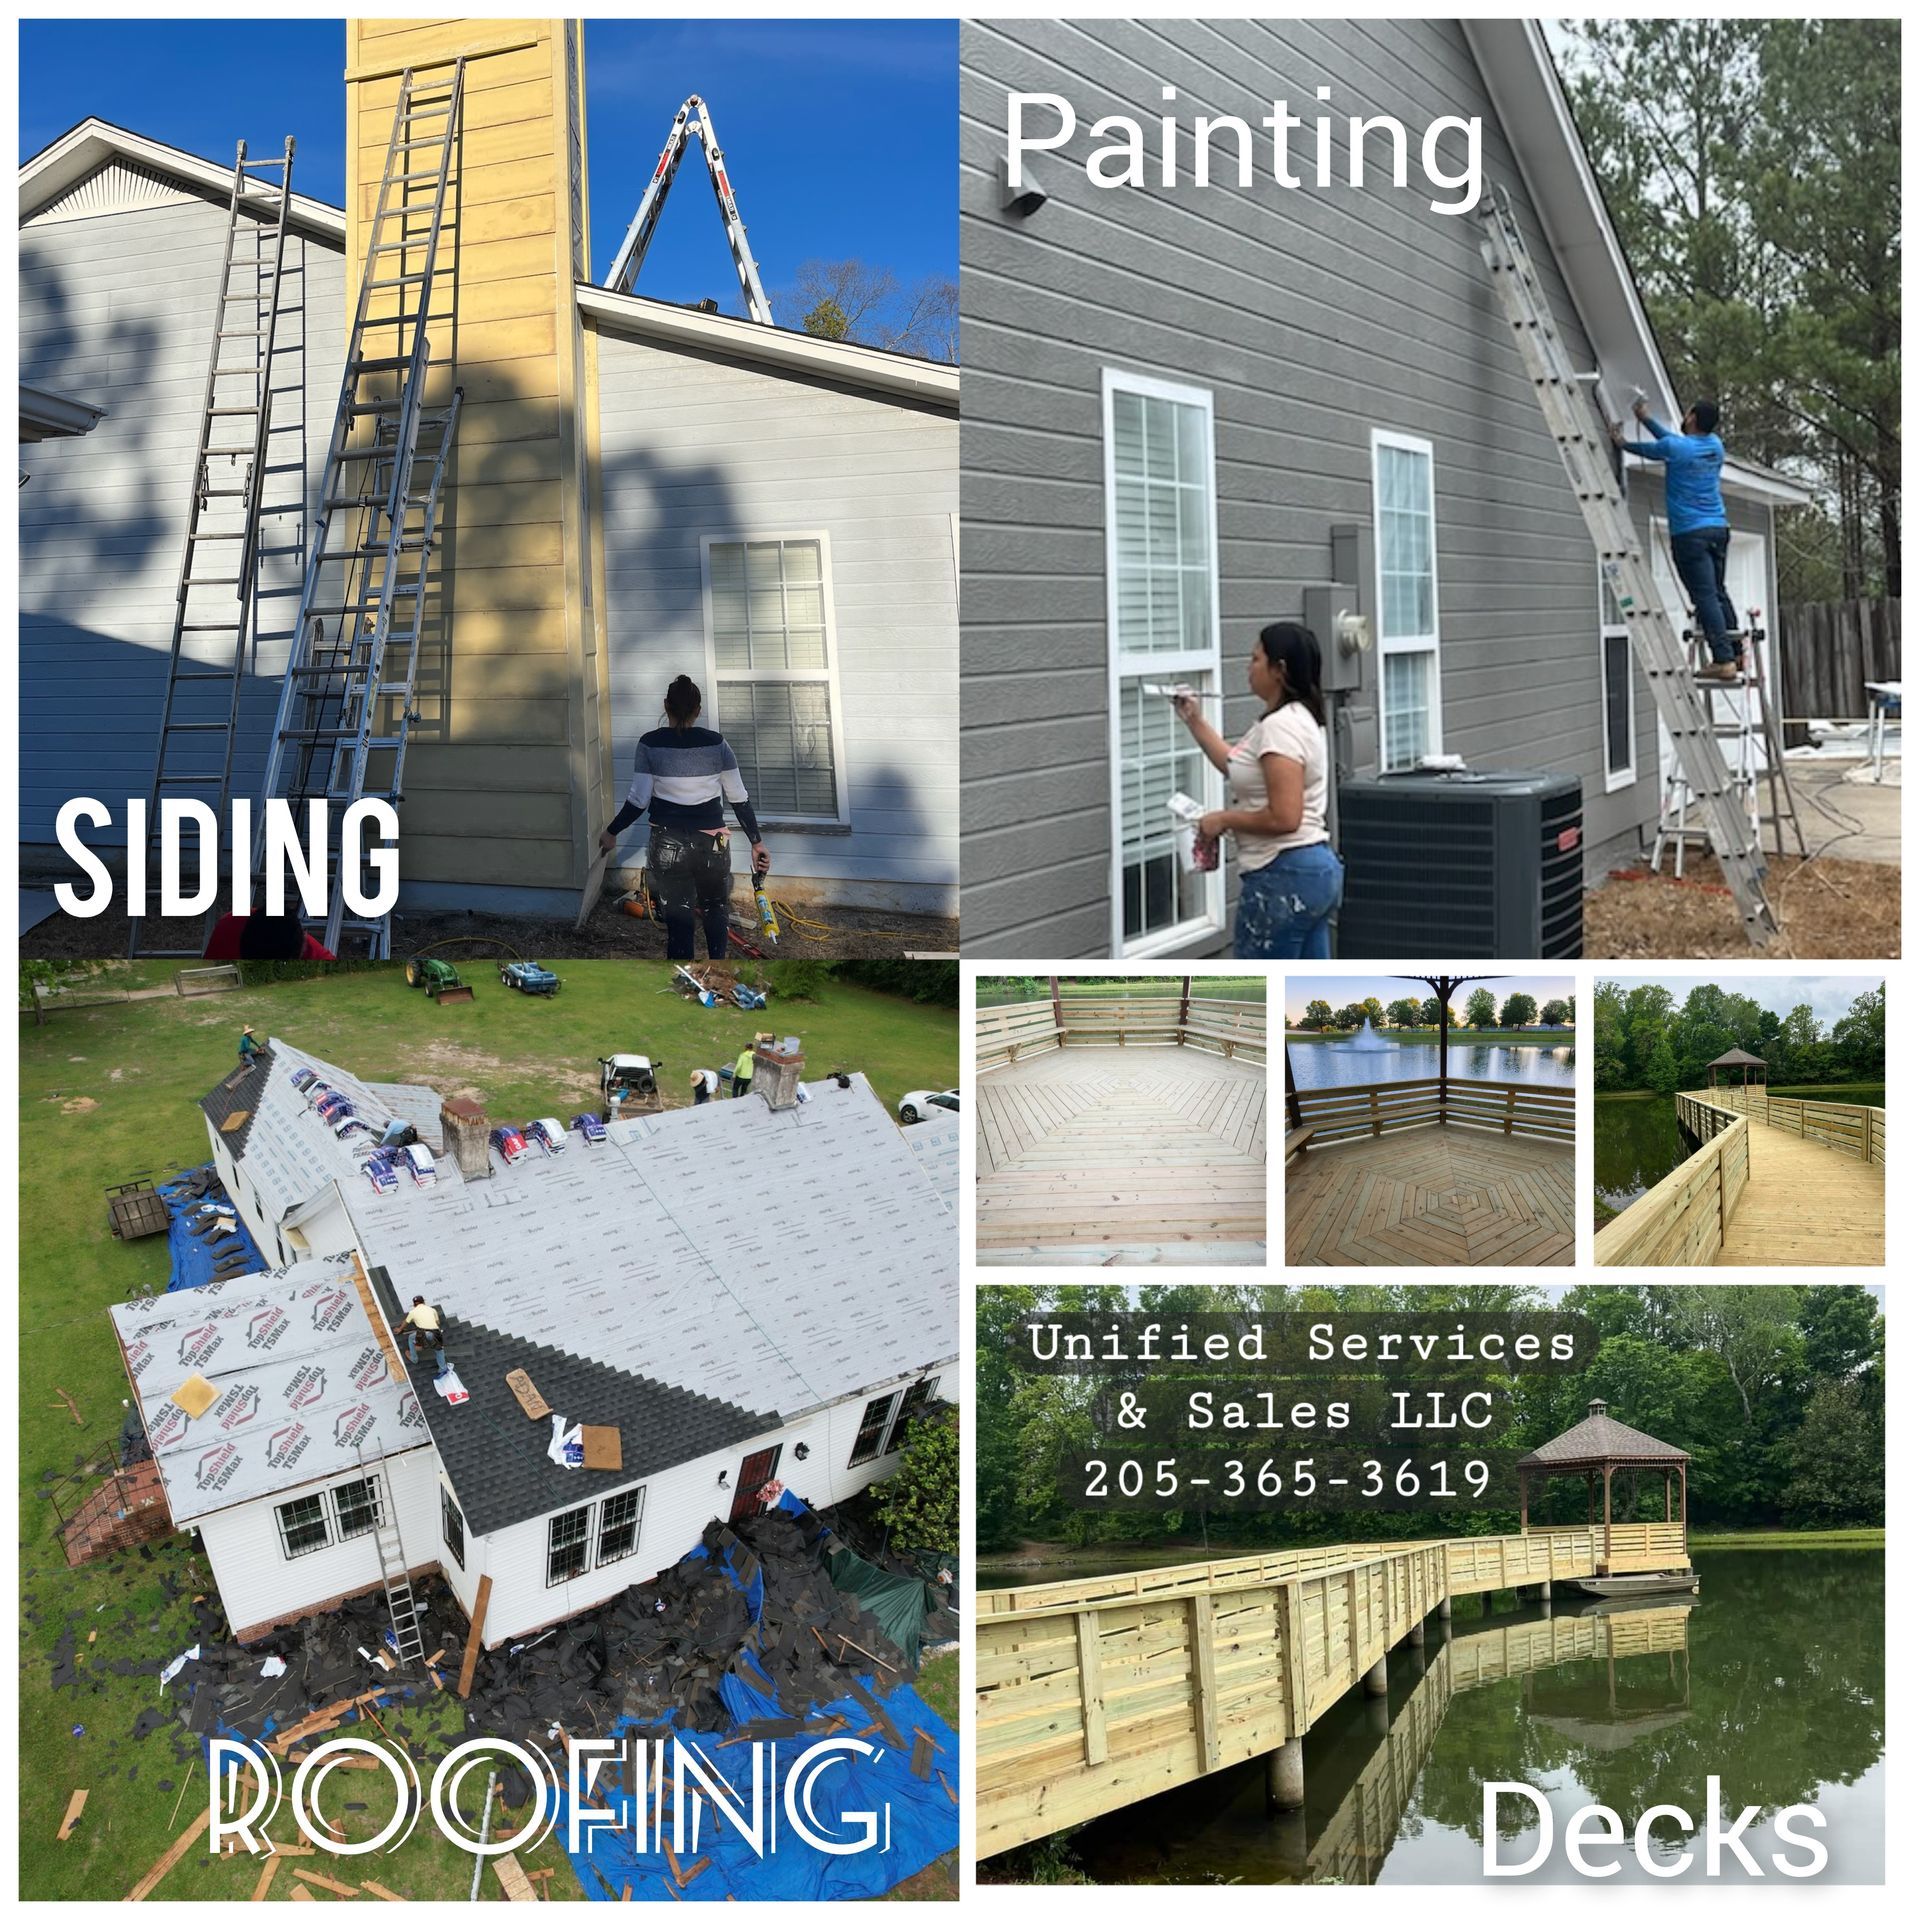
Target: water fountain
(1367, 1041)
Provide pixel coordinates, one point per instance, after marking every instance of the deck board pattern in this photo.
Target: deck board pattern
(1441, 1196)
(1805, 1205)
(1123, 1154)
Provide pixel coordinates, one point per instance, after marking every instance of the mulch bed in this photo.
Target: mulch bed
(1828, 910)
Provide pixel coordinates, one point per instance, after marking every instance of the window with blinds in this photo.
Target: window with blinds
(769, 610)
(1409, 595)
(1163, 630)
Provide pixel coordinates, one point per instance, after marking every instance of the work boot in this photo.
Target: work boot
(1722, 670)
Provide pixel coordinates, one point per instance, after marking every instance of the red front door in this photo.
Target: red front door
(755, 1471)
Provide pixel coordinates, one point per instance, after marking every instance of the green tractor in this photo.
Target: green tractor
(438, 977)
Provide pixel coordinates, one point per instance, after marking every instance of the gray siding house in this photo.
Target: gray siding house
(732, 455)
(1177, 399)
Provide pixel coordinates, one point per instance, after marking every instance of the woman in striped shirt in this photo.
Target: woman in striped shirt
(681, 773)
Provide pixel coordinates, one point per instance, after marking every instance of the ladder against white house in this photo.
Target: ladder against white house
(348, 703)
(1746, 724)
(241, 471)
(1573, 418)
(693, 122)
(403, 1611)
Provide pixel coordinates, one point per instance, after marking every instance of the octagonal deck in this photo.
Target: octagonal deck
(1110, 1156)
(1438, 1196)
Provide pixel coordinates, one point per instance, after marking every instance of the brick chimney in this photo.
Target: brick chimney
(463, 1132)
(776, 1070)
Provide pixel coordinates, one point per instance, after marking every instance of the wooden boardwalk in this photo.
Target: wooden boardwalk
(1805, 1205)
(1438, 1196)
(1122, 1155)
(1092, 1694)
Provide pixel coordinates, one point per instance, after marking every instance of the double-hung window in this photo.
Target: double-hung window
(873, 1429)
(1163, 629)
(324, 1519)
(770, 660)
(1616, 690)
(1407, 593)
(569, 1545)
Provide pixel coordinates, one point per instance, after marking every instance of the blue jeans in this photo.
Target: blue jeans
(418, 1343)
(1700, 558)
(1285, 905)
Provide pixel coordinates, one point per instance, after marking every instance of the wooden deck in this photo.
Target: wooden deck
(1435, 1196)
(1774, 1183)
(1093, 1694)
(1120, 1155)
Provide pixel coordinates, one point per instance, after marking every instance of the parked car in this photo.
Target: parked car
(923, 1105)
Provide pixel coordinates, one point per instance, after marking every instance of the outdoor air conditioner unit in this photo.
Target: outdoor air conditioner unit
(1472, 865)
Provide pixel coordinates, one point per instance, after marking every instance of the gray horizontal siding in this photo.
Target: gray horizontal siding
(1313, 316)
(117, 310)
(692, 446)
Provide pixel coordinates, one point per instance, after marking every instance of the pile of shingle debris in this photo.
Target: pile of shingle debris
(657, 1653)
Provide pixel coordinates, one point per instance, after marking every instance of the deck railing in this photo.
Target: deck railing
(1682, 1222)
(1091, 1694)
(1855, 1129)
(1233, 1029)
(1328, 1116)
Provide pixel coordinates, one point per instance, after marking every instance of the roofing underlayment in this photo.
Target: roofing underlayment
(770, 1260)
(936, 1145)
(300, 1377)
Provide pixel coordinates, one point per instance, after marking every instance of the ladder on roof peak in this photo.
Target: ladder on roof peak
(694, 121)
(1573, 419)
(347, 703)
(216, 598)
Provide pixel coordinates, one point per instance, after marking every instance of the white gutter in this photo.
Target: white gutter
(931, 381)
(52, 416)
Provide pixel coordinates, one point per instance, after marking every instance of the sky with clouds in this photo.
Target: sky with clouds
(1829, 995)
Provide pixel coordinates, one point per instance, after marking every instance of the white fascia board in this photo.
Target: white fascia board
(659, 321)
(94, 142)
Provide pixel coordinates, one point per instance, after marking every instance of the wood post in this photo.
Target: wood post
(472, 1654)
(1186, 995)
(1606, 1550)
(1093, 1699)
(1053, 987)
(1206, 1693)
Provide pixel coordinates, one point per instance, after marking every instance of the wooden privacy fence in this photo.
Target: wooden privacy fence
(1234, 1029)
(1326, 1116)
(1858, 1131)
(1092, 1694)
(1828, 651)
(1682, 1222)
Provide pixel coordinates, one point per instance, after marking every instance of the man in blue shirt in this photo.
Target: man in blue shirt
(1696, 522)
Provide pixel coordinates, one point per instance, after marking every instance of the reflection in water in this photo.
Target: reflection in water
(1773, 1680)
(1338, 1063)
(1636, 1144)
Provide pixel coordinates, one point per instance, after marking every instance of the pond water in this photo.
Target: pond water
(1774, 1679)
(1332, 1063)
(1637, 1142)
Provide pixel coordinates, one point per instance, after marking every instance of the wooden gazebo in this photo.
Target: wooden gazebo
(1599, 1447)
(1735, 1060)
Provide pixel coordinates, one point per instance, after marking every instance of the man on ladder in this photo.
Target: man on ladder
(1697, 529)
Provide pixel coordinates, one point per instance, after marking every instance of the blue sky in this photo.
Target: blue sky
(1349, 989)
(841, 137)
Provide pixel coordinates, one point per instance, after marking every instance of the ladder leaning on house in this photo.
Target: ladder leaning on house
(216, 599)
(347, 704)
(1573, 419)
(403, 1611)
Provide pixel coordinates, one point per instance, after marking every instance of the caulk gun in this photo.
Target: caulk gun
(769, 926)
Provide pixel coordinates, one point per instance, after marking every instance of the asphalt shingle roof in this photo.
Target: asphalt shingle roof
(1600, 1437)
(239, 1092)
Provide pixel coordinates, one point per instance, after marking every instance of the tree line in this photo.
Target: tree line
(1481, 1012)
(1645, 1040)
(1777, 1392)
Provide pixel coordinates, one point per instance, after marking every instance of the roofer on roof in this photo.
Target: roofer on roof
(681, 773)
(423, 1332)
(249, 1046)
(1697, 528)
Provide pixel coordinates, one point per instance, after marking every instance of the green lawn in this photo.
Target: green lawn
(1875, 1537)
(108, 1094)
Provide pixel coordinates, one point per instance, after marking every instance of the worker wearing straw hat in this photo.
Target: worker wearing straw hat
(249, 1046)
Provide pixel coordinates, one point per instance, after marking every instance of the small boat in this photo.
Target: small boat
(1615, 1586)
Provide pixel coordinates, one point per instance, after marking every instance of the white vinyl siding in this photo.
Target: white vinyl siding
(328, 1518)
(595, 1535)
(1616, 693)
(1163, 627)
(769, 616)
(1407, 593)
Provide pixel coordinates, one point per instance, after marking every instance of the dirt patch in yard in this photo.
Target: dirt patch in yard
(1827, 909)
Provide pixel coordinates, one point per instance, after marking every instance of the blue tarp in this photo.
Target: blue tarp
(192, 1264)
(921, 1818)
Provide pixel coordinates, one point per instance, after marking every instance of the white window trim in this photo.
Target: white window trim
(1114, 380)
(1406, 643)
(1630, 774)
(830, 677)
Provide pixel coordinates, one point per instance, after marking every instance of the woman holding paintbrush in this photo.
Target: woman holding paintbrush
(1290, 877)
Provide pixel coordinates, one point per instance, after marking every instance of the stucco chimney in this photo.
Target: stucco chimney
(463, 1132)
(776, 1070)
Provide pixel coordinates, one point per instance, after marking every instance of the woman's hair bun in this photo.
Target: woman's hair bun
(683, 698)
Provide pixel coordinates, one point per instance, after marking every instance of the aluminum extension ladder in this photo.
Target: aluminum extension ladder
(216, 599)
(1741, 712)
(694, 121)
(403, 1612)
(1573, 418)
(347, 704)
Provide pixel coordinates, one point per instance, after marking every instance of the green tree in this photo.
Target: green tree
(1557, 1013)
(1352, 1014)
(825, 321)
(1318, 1016)
(1660, 1074)
(919, 1502)
(1404, 1012)
(1480, 1008)
(1835, 1460)
(1519, 1011)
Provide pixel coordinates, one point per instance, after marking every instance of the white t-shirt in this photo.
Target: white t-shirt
(1293, 732)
